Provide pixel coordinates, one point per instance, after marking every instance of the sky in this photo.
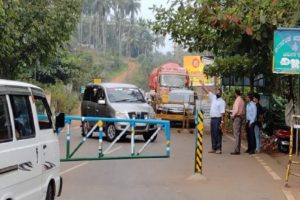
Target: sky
(146, 13)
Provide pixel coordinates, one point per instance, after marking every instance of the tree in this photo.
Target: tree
(238, 32)
(132, 8)
(32, 31)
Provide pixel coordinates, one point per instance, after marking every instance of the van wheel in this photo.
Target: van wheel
(148, 135)
(111, 132)
(50, 192)
(85, 129)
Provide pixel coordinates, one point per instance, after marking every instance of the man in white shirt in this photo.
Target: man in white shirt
(217, 112)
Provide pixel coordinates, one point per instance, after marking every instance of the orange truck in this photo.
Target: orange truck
(162, 80)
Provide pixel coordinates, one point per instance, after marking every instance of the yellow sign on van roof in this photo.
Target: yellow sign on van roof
(97, 80)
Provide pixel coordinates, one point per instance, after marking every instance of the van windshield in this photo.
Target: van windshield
(131, 95)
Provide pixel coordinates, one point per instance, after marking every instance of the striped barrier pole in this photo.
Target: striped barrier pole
(68, 139)
(199, 143)
(132, 138)
(100, 124)
(168, 138)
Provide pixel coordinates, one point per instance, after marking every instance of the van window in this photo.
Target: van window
(23, 116)
(5, 125)
(43, 113)
(93, 94)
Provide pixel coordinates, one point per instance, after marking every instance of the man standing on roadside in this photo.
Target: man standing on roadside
(237, 114)
(258, 121)
(217, 112)
(251, 112)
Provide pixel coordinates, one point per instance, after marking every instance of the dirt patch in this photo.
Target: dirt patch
(132, 68)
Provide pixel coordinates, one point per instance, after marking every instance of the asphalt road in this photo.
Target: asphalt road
(227, 176)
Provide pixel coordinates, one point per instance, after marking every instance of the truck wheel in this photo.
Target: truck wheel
(111, 132)
(50, 192)
(85, 129)
(148, 135)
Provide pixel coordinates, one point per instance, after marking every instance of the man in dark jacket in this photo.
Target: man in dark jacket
(258, 121)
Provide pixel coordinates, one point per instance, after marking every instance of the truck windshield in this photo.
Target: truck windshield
(118, 95)
(172, 80)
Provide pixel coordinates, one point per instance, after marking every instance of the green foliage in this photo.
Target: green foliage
(32, 31)
(238, 32)
(225, 66)
(62, 100)
(274, 117)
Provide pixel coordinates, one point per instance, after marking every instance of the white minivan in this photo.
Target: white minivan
(29, 150)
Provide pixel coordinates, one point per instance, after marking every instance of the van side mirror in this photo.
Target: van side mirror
(101, 102)
(59, 121)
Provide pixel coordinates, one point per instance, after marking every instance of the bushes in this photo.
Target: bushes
(62, 99)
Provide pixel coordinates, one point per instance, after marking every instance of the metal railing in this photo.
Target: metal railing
(162, 125)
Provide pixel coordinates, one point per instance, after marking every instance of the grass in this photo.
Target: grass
(117, 72)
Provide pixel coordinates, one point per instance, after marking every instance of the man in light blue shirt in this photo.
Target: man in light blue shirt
(251, 112)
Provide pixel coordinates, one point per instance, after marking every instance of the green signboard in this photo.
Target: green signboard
(286, 57)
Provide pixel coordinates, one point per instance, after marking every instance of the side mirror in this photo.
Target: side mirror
(101, 102)
(59, 122)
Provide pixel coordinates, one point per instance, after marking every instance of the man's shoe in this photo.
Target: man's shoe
(212, 151)
(251, 152)
(218, 152)
(235, 153)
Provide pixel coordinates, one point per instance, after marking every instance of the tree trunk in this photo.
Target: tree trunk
(251, 79)
(90, 23)
(104, 35)
(291, 95)
(120, 40)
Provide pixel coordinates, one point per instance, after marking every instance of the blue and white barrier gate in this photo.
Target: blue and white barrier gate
(163, 125)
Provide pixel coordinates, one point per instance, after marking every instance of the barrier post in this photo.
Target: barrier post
(100, 124)
(68, 138)
(132, 137)
(168, 138)
(199, 143)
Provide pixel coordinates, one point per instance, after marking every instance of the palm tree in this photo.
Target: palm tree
(102, 7)
(132, 8)
(119, 8)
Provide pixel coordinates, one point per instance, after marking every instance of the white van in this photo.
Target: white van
(29, 150)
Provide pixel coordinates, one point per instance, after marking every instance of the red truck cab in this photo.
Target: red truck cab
(166, 77)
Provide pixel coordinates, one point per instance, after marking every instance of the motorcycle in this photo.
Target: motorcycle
(283, 140)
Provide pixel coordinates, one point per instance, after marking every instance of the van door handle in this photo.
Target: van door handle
(44, 146)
